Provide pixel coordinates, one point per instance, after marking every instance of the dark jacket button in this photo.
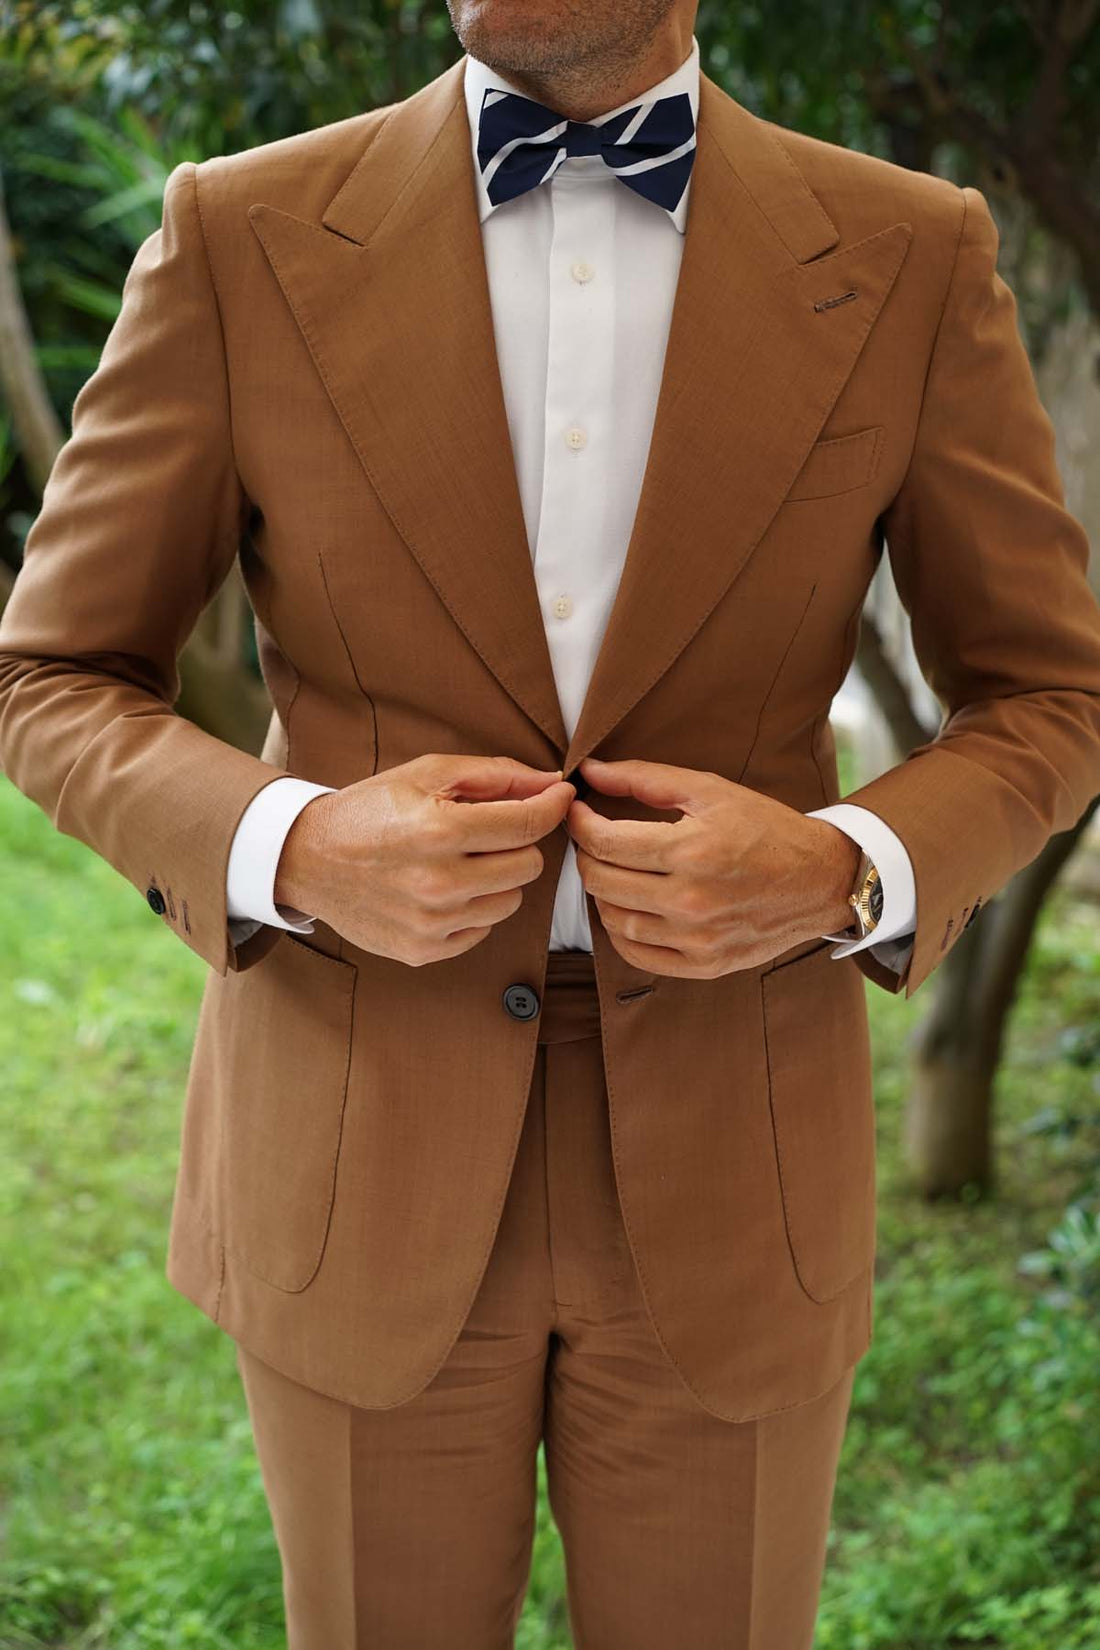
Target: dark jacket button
(521, 1002)
(577, 778)
(156, 900)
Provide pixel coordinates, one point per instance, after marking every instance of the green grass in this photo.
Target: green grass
(131, 1511)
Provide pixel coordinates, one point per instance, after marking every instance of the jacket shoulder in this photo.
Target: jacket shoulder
(299, 173)
(865, 193)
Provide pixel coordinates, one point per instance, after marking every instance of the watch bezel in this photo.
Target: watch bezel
(868, 885)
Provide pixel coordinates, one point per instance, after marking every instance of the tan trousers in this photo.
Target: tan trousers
(411, 1528)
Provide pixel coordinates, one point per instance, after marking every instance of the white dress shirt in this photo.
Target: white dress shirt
(582, 272)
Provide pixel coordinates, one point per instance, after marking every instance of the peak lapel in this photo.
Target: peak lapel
(751, 373)
(391, 295)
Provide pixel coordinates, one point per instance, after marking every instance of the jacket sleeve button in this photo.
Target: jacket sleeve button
(156, 900)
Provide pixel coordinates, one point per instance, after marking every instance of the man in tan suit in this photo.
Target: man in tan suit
(561, 410)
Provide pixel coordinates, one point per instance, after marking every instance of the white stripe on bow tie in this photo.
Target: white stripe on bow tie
(654, 160)
(628, 132)
(514, 143)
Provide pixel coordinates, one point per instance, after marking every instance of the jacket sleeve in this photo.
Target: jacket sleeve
(992, 569)
(140, 524)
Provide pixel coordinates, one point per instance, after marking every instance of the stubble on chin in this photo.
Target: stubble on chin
(557, 38)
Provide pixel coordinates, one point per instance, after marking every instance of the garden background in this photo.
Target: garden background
(967, 1510)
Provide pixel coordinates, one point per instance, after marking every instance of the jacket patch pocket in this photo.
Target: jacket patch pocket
(284, 1033)
(839, 465)
(819, 1073)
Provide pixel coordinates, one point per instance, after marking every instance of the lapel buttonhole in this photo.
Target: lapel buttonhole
(843, 298)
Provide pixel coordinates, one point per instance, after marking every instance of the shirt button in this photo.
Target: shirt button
(563, 606)
(575, 438)
(581, 271)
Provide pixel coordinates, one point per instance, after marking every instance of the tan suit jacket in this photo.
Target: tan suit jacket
(303, 373)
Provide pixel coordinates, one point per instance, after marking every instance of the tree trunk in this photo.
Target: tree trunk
(957, 1048)
(35, 424)
(890, 693)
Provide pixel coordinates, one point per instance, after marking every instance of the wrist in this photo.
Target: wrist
(296, 874)
(841, 857)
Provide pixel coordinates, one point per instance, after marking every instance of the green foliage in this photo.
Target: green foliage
(847, 70)
(125, 171)
(222, 78)
(968, 1503)
(50, 241)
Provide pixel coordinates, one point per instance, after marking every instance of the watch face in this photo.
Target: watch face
(875, 901)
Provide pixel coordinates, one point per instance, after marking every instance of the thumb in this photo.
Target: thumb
(494, 778)
(659, 784)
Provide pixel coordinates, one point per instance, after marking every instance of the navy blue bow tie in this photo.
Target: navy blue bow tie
(649, 147)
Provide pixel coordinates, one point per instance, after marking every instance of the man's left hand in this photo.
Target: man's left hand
(736, 880)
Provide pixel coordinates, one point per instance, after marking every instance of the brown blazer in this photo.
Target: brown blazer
(303, 374)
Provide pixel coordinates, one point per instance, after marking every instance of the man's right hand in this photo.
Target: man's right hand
(419, 862)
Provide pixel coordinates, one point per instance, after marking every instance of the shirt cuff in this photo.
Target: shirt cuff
(254, 857)
(891, 940)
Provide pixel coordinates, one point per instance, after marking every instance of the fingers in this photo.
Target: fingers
(481, 778)
(656, 959)
(641, 844)
(487, 803)
(648, 943)
(658, 783)
(486, 908)
(477, 826)
(652, 891)
(418, 953)
(443, 923)
(639, 927)
(491, 871)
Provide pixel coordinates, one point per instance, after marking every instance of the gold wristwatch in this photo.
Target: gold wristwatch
(866, 896)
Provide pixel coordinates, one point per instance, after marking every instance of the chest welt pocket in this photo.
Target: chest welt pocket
(283, 1045)
(839, 465)
(819, 1077)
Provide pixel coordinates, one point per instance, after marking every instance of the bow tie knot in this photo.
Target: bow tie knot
(649, 147)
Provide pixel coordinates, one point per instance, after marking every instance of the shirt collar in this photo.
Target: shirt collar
(479, 77)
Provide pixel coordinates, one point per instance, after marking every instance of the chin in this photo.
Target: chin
(515, 34)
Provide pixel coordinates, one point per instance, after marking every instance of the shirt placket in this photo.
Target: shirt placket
(577, 447)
